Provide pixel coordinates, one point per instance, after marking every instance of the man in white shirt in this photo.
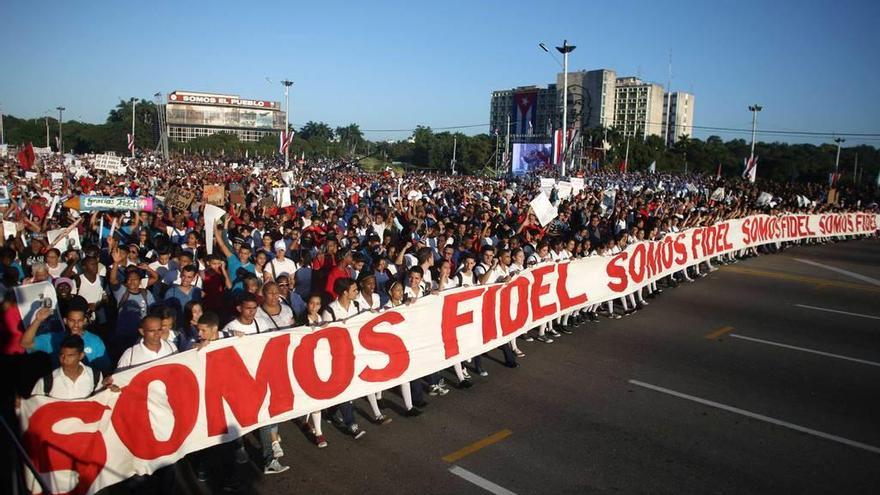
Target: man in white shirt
(247, 322)
(342, 308)
(151, 347)
(281, 264)
(73, 379)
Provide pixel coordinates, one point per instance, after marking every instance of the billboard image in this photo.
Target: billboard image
(528, 157)
(215, 116)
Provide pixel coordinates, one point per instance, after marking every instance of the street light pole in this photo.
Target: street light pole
(47, 128)
(754, 109)
(60, 129)
(287, 84)
(839, 141)
(2, 141)
(565, 49)
(133, 104)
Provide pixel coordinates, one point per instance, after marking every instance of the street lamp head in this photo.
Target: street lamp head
(287, 83)
(543, 47)
(565, 48)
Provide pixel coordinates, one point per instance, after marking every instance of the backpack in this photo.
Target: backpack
(49, 379)
(329, 308)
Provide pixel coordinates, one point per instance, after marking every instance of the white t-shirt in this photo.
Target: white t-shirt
(277, 268)
(139, 354)
(259, 325)
(336, 312)
(65, 388)
(58, 270)
(283, 319)
(365, 305)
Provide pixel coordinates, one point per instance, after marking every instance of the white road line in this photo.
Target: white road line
(480, 481)
(804, 349)
(760, 417)
(858, 276)
(817, 308)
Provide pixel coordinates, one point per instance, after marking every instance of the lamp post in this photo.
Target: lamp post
(754, 109)
(287, 84)
(2, 141)
(565, 49)
(60, 129)
(133, 105)
(839, 141)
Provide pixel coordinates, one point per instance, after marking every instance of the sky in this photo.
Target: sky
(392, 65)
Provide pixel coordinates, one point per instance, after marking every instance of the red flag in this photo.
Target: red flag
(622, 167)
(26, 157)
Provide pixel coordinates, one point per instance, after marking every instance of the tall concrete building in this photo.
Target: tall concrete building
(531, 109)
(590, 99)
(638, 108)
(678, 116)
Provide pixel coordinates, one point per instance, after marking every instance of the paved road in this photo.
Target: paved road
(678, 398)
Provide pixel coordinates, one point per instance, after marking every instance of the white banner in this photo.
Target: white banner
(192, 400)
(109, 163)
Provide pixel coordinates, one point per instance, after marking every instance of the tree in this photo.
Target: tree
(350, 137)
(313, 130)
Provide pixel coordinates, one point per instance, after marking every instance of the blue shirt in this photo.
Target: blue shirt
(178, 299)
(233, 264)
(96, 353)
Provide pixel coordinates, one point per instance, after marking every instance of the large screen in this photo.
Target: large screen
(528, 157)
(202, 115)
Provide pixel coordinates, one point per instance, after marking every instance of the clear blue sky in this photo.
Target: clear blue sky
(813, 65)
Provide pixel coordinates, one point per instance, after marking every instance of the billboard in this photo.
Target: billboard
(215, 116)
(528, 157)
(223, 100)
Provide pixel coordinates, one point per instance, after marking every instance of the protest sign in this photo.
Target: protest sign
(832, 196)
(287, 177)
(717, 194)
(268, 202)
(66, 239)
(608, 198)
(214, 194)
(4, 195)
(32, 297)
(547, 185)
(57, 176)
(4, 150)
(563, 189)
(179, 198)
(109, 163)
(234, 386)
(543, 209)
(764, 199)
(9, 229)
(236, 194)
(281, 196)
(30, 175)
(577, 185)
(212, 214)
(109, 203)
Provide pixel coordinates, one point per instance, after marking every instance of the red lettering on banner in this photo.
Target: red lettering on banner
(227, 379)
(746, 231)
(696, 239)
(341, 363)
(680, 250)
(451, 319)
(565, 300)
(539, 288)
(386, 343)
(618, 271)
(490, 331)
(512, 324)
(724, 243)
(637, 264)
(667, 253)
(83, 453)
(131, 416)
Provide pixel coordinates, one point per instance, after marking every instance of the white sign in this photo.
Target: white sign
(4, 150)
(65, 240)
(42, 151)
(109, 163)
(57, 176)
(577, 185)
(564, 189)
(30, 298)
(718, 194)
(8, 229)
(212, 214)
(543, 209)
(547, 185)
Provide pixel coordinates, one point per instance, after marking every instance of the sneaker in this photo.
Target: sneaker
(442, 390)
(466, 383)
(528, 338)
(382, 419)
(544, 339)
(615, 316)
(202, 474)
(241, 456)
(519, 353)
(434, 390)
(277, 451)
(275, 467)
(565, 330)
(554, 333)
(412, 413)
(356, 431)
(320, 441)
(483, 372)
(465, 373)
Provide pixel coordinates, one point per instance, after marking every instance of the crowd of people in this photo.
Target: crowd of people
(141, 285)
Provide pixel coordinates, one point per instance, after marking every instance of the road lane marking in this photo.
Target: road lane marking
(816, 282)
(804, 349)
(817, 308)
(857, 276)
(479, 444)
(480, 481)
(759, 417)
(718, 333)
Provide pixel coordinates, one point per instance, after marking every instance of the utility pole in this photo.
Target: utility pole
(2, 141)
(60, 129)
(754, 109)
(454, 148)
(507, 146)
(47, 129)
(626, 156)
(287, 84)
(565, 49)
(855, 168)
(133, 105)
(839, 141)
(669, 104)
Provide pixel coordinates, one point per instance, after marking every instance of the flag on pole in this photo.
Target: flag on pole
(652, 167)
(286, 138)
(833, 178)
(58, 143)
(130, 142)
(622, 167)
(718, 173)
(751, 168)
(557, 146)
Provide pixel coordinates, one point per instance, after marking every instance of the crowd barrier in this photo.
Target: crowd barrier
(196, 399)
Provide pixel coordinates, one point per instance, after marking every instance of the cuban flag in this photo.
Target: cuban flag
(750, 168)
(524, 110)
(833, 178)
(131, 142)
(285, 140)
